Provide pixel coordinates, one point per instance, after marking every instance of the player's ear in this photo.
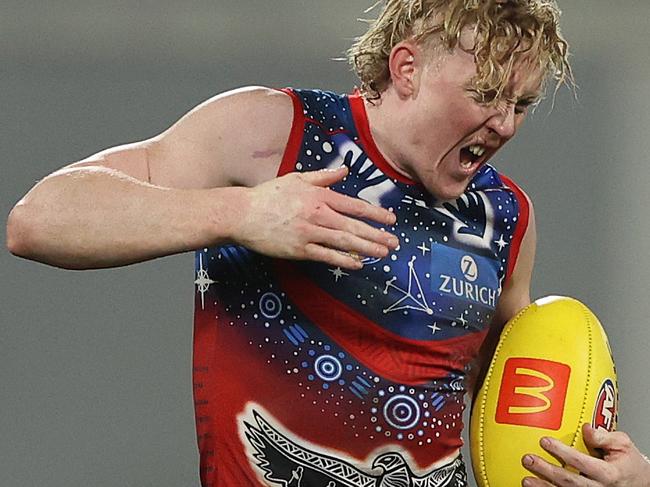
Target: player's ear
(404, 65)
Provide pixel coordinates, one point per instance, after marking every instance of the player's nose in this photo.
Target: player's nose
(503, 121)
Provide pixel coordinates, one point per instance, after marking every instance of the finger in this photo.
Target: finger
(592, 440)
(535, 482)
(324, 177)
(348, 242)
(598, 439)
(333, 257)
(360, 209)
(588, 465)
(336, 221)
(557, 476)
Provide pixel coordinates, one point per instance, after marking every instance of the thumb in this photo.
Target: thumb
(325, 177)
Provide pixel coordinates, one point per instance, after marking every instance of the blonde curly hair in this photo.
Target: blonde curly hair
(505, 29)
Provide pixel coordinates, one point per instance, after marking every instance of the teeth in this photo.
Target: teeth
(477, 149)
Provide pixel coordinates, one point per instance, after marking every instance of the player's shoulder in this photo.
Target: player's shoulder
(251, 104)
(489, 178)
(258, 122)
(239, 135)
(518, 190)
(511, 200)
(237, 112)
(327, 108)
(526, 211)
(257, 96)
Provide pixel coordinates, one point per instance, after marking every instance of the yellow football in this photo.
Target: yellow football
(552, 371)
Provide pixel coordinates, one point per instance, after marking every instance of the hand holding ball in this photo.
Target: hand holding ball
(552, 371)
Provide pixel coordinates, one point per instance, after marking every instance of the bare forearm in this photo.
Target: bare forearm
(94, 217)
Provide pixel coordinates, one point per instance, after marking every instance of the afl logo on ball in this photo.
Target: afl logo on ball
(605, 411)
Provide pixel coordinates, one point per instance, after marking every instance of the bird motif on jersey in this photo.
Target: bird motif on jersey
(288, 464)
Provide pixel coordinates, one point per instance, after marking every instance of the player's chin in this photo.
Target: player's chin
(449, 190)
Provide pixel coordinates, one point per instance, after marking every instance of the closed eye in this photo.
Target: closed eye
(489, 97)
(483, 97)
(524, 104)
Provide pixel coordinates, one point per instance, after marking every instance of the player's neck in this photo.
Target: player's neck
(387, 128)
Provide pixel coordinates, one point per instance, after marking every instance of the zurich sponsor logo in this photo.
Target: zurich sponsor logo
(469, 277)
(469, 268)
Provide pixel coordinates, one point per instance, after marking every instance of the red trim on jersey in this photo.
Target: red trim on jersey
(392, 356)
(522, 223)
(206, 394)
(295, 136)
(365, 137)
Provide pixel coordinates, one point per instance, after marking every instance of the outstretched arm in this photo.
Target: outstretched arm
(207, 180)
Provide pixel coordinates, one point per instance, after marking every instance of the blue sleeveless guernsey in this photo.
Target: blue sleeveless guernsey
(308, 375)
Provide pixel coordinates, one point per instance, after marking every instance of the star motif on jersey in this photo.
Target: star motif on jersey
(462, 319)
(338, 273)
(203, 281)
(424, 248)
(434, 327)
(412, 299)
(501, 243)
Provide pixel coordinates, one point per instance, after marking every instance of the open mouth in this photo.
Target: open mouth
(472, 155)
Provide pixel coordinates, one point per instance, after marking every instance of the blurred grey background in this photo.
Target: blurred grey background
(95, 367)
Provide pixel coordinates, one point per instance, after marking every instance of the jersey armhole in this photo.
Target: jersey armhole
(522, 224)
(295, 136)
